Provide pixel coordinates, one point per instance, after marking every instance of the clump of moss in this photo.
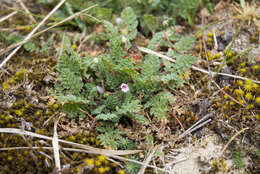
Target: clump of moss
(17, 78)
(94, 164)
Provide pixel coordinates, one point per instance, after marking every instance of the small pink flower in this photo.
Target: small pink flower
(124, 87)
(118, 20)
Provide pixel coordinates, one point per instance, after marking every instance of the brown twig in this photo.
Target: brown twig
(178, 121)
(147, 160)
(27, 11)
(172, 46)
(232, 138)
(227, 94)
(87, 114)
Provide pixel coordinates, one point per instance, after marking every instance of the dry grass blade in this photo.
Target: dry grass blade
(55, 143)
(146, 50)
(227, 94)
(92, 149)
(90, 152)
(27, 11)
(206, 119)
(141, 163)
(147, 160)
(232, 138)
(176, 118)
(31, 33)
(212, 73)
(7, 16)
(3, 51)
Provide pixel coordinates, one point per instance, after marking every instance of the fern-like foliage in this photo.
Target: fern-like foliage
(129, 23)
(158, 104)
(73, 109)
(185, 43)
(45, 46)
(238, 159)
(131, 167)
(85, 85)
(173, 71)
(152, 63)
(132, 106)
(114, 138)
(69, 66)
(69, 85)
(93, 85)
(115, 40)
(132, 109)
(108, 117)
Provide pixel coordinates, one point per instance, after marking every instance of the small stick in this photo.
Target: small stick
(228, 94)
(141, 163)
(146, 50)
(87, 114)
(172, 46)
(178, 121)
(147, 160)
(232, 138)
(215, 40)
(55, 144)
(114, 161)
(7, 16)
(27, 11)
(197, 125)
